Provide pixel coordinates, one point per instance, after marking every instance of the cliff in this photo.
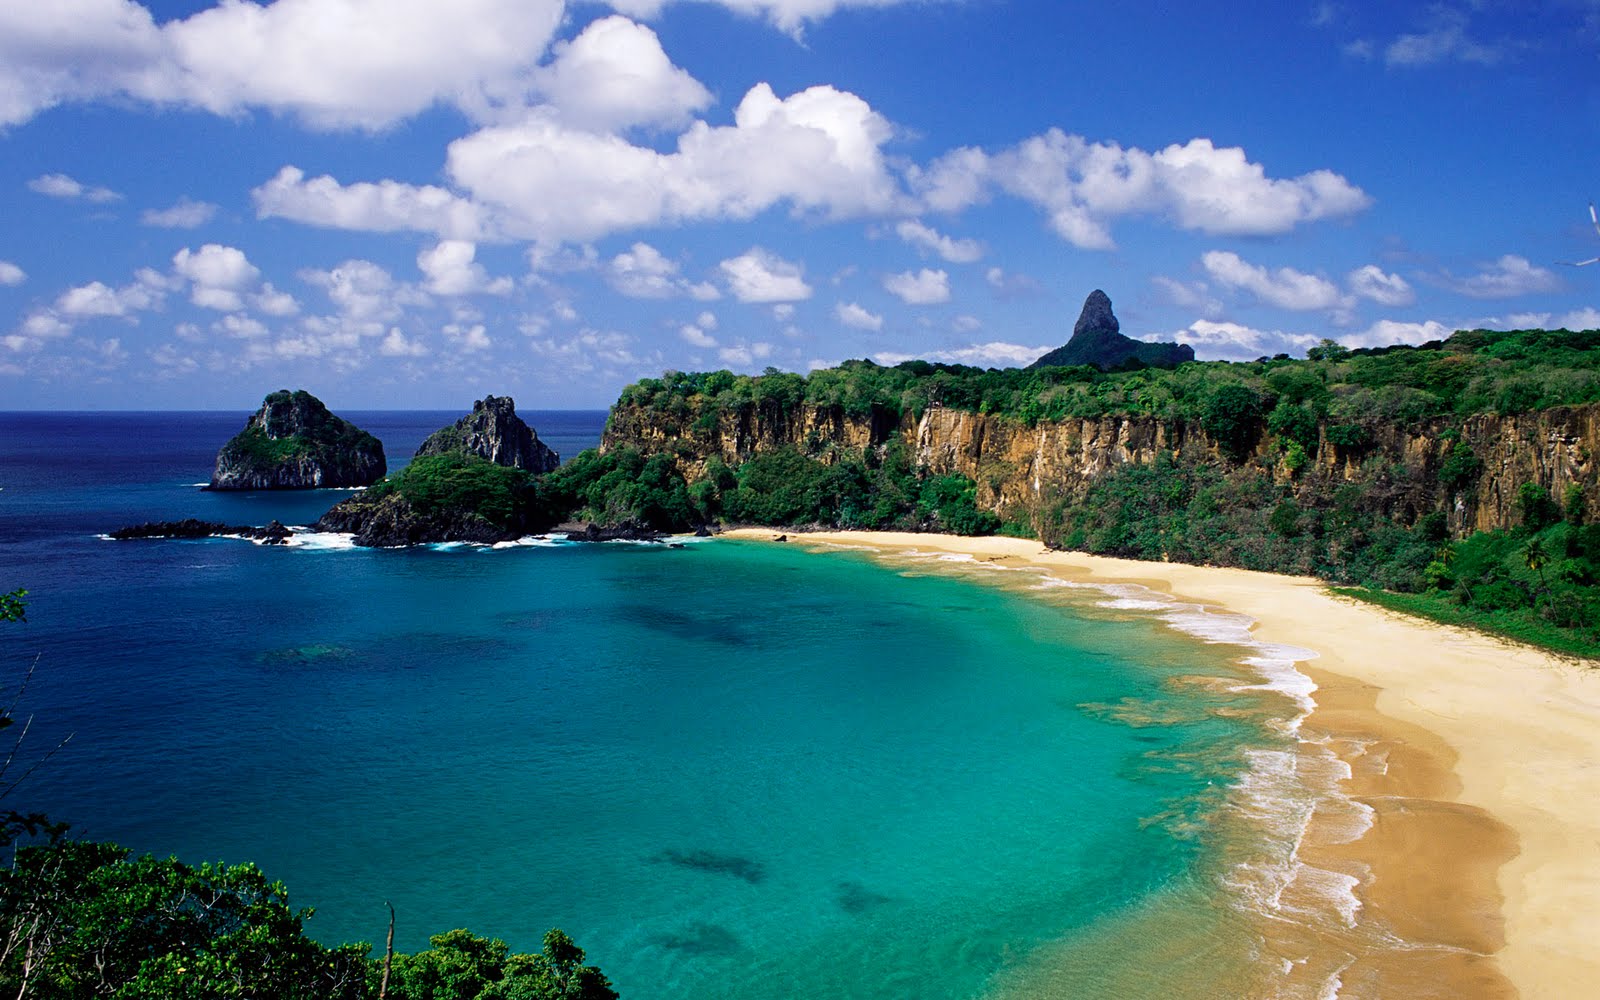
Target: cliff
(294, 443)
(1097, 339)
(1400, 473)
(493, 431)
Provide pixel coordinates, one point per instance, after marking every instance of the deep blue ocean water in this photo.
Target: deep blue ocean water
(732, 769)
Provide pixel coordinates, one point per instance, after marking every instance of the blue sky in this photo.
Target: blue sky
(408, 203)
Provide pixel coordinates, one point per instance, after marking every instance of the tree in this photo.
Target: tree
(1230, 416)
(12, 607)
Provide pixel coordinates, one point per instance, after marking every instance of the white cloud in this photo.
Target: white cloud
(851, 314)
(696, 335)
(818, 151)
(1587, 318)
(396, 345)
(384, 207)
(1506, 278)
(783, 312)
(1370, 282)
(240, 327)
(359, 63)
(995, 354)
(924, 288)
(184, 214)
(275, 303)
(745, 355)
(66, 188)
(364, 293)
(1082, 187)
(966, 324)
(468, 338)
(11, 274)
(1387, 333)
(450, 269)
(930, 240)
(790, 16)
(615, 75)
(147, 291)
(1445, 41)
(220, 274)
(761, 276)
(1285, 288)
(642, 272)
(1214, 340)
(1194, 295)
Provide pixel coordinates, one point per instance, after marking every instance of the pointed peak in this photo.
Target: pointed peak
(1097, 314)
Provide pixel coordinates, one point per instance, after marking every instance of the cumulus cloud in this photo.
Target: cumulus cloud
(761, 276)
(11, 274)
(397, 345)
(851, 314)
(643, 272)
(1371, 282)
(66, 188)
(1388, 333)
(1011, 285)
(745, 355)
(818, 151)
(695, 335)
(930, 240)
(363, 63)
(1587, 318)
(364, 293)
(382, 207)
(220, 275)
(449, 269)
(468, 337)
(1213, 340)
(184, 214)
(923, 288)
(1082, 187)
(275, 303)
(1285, 288)
(1506, 278)
(615, 75)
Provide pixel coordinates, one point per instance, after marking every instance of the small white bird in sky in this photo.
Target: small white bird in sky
(1591, 260)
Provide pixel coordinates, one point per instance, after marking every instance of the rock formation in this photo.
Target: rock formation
(1097, 339)
(493, 431)
(294, 443)
(274, 533)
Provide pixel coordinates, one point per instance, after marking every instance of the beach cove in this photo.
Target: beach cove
(1476, 871)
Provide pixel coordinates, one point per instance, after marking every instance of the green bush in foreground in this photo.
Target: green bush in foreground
(82, 920)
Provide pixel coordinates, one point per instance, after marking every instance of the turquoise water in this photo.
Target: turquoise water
(731, 769)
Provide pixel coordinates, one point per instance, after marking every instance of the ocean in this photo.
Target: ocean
(731, 769)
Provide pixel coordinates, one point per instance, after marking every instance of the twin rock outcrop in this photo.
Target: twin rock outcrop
(294, 443)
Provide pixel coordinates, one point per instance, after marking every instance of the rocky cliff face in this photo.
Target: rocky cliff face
(294, 443)
(1021, 470)
(493, 431)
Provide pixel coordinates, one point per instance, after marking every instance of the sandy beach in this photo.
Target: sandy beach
(1479, 760)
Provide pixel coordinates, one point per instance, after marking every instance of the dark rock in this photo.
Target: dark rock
(493, 431)
(625, 531)
(392, 521)
(1097, 340)
(294, 443)
(273, 534)
(704, 531)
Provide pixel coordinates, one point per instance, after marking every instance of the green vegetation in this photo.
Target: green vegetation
(875, 490)
(82, 920)
(1474, 371)
(301, 427)
(441, 484)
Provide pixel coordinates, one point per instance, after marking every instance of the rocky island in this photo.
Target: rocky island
(1097, 339)
(294, 443)
(473, 481)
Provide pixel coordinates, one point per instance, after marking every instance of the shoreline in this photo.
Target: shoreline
(1475, 757)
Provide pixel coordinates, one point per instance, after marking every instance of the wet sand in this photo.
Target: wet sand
(1477, 868)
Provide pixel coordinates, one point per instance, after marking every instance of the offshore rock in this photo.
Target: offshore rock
(1097, 340)
(273, 534)
(630, 531)
(294, 443)
(392, 521)
(493, 431)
